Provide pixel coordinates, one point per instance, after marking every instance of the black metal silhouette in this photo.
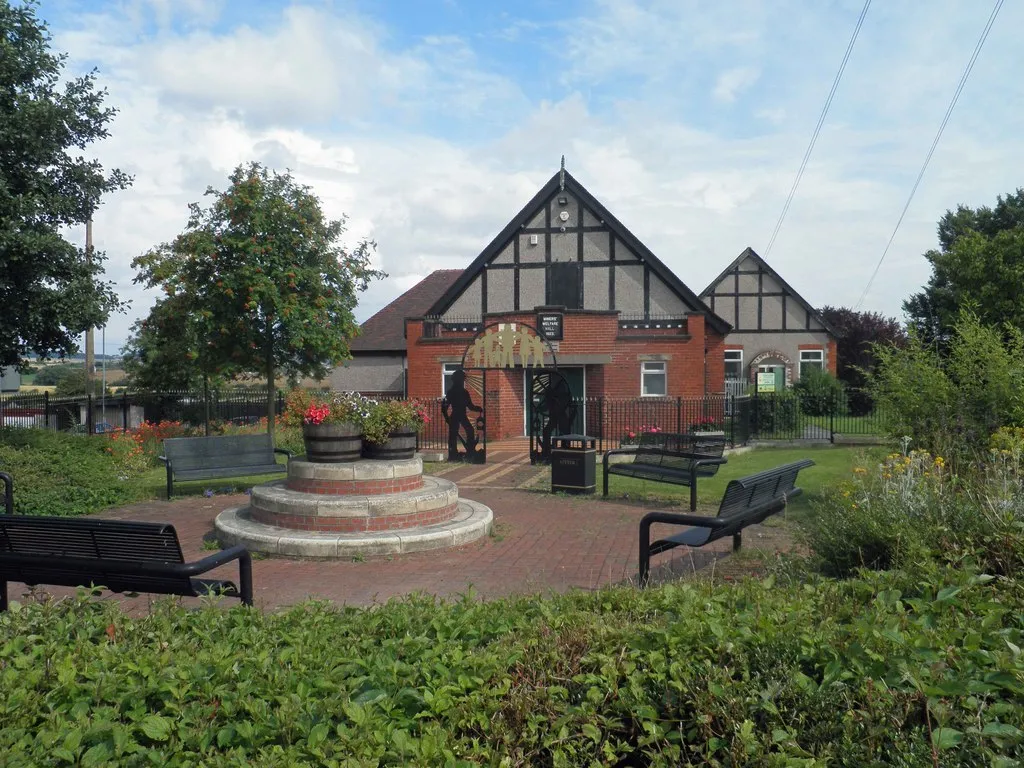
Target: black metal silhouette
(455, 408)
(553, 411)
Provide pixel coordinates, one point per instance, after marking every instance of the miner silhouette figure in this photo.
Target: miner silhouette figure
(455, 409)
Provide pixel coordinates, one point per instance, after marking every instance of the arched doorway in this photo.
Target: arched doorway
(498, 346)
(776, 371)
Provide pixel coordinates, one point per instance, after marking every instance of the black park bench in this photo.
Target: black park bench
(120, 555)
(747, 501)
(670, 458)
(202, 458)
(8, 492)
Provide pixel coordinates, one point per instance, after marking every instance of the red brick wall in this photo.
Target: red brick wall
(832, 356)
(583, 334)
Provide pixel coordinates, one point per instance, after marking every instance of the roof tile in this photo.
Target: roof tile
(385, 331)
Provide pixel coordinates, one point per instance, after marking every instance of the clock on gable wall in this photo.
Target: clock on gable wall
(564, 215)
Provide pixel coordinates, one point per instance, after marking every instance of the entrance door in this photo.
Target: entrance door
(554, 406)
(576, 380)
(577, 385)
(780, 375)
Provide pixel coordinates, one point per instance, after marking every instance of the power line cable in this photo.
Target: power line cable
(817, 128)
(935, 143)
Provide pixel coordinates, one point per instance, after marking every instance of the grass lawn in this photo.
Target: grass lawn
(831, 465)
(154, 483)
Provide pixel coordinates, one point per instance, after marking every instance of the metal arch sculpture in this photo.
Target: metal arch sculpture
(551, 408)
(496, 346)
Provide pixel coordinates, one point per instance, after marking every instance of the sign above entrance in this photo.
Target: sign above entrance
(550, 324)
(766, 382)
(508, 345)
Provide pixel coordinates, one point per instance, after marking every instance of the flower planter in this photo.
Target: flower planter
(332, 443)
(399, 445)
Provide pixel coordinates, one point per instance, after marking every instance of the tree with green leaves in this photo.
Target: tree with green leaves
(979, 265)
(163, 352)
(50, 289)
(271, 289)
(858, 335)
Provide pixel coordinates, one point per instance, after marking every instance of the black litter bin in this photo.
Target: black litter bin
(574, 464)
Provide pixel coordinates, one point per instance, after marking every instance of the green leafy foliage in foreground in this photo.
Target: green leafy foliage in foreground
(890, 669)
(60, 474)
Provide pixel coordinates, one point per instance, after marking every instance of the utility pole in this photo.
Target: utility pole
(90, 341)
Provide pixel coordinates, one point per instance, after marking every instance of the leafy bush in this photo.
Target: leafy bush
(912, 508)
(775, 413)
(951, 404)
(66, 475)
(388, 416)
(151, 435)
(49, 375)
(1009, 440)
(894, 669)
(820, 393)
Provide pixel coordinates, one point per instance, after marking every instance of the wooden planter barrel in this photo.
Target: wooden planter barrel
(400, 445)
(332, 443)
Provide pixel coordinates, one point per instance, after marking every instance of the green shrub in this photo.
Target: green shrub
(952, 403)
(820, 393)
(775, 413)
(893, 669)
(912, 508)
(66, 475)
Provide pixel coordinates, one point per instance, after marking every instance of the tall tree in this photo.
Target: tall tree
(979, 265)
(163, 351)
(856, 335)
(50, 290)
(272, 289)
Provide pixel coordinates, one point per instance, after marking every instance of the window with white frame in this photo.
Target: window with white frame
(653, 380)
(811, 358)
(447, 370)
(733, 364)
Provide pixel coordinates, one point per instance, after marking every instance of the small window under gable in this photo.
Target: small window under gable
(733, 364)
(653, 379)
(811, 358)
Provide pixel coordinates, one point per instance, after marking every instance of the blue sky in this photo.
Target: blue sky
(429, 123)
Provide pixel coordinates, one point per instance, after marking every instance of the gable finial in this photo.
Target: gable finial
(561, 176)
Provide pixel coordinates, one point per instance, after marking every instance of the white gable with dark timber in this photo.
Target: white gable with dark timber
(565, 249)
(751, 297)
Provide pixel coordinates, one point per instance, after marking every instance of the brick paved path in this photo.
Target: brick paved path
(506, 469)
(541, 543)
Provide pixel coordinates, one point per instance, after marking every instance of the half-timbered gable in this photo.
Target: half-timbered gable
(564, 249)
(774, 329)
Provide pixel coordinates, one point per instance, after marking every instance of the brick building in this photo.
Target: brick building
(619, 322)
(775, 330)
(378, 364)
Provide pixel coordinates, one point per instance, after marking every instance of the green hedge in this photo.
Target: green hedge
(62, 474)
(891, 669)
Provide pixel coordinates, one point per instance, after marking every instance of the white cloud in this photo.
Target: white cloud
(430, 152)
(732, 82)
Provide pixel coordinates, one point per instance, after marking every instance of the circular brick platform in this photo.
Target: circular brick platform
(276, 503)
(471, 521)
(362, 507)
(366, 477)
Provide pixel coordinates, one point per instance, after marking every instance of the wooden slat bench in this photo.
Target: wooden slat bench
(747, 501)
(8, 492)
(202, 458)
(120, 555)
(679, 459)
